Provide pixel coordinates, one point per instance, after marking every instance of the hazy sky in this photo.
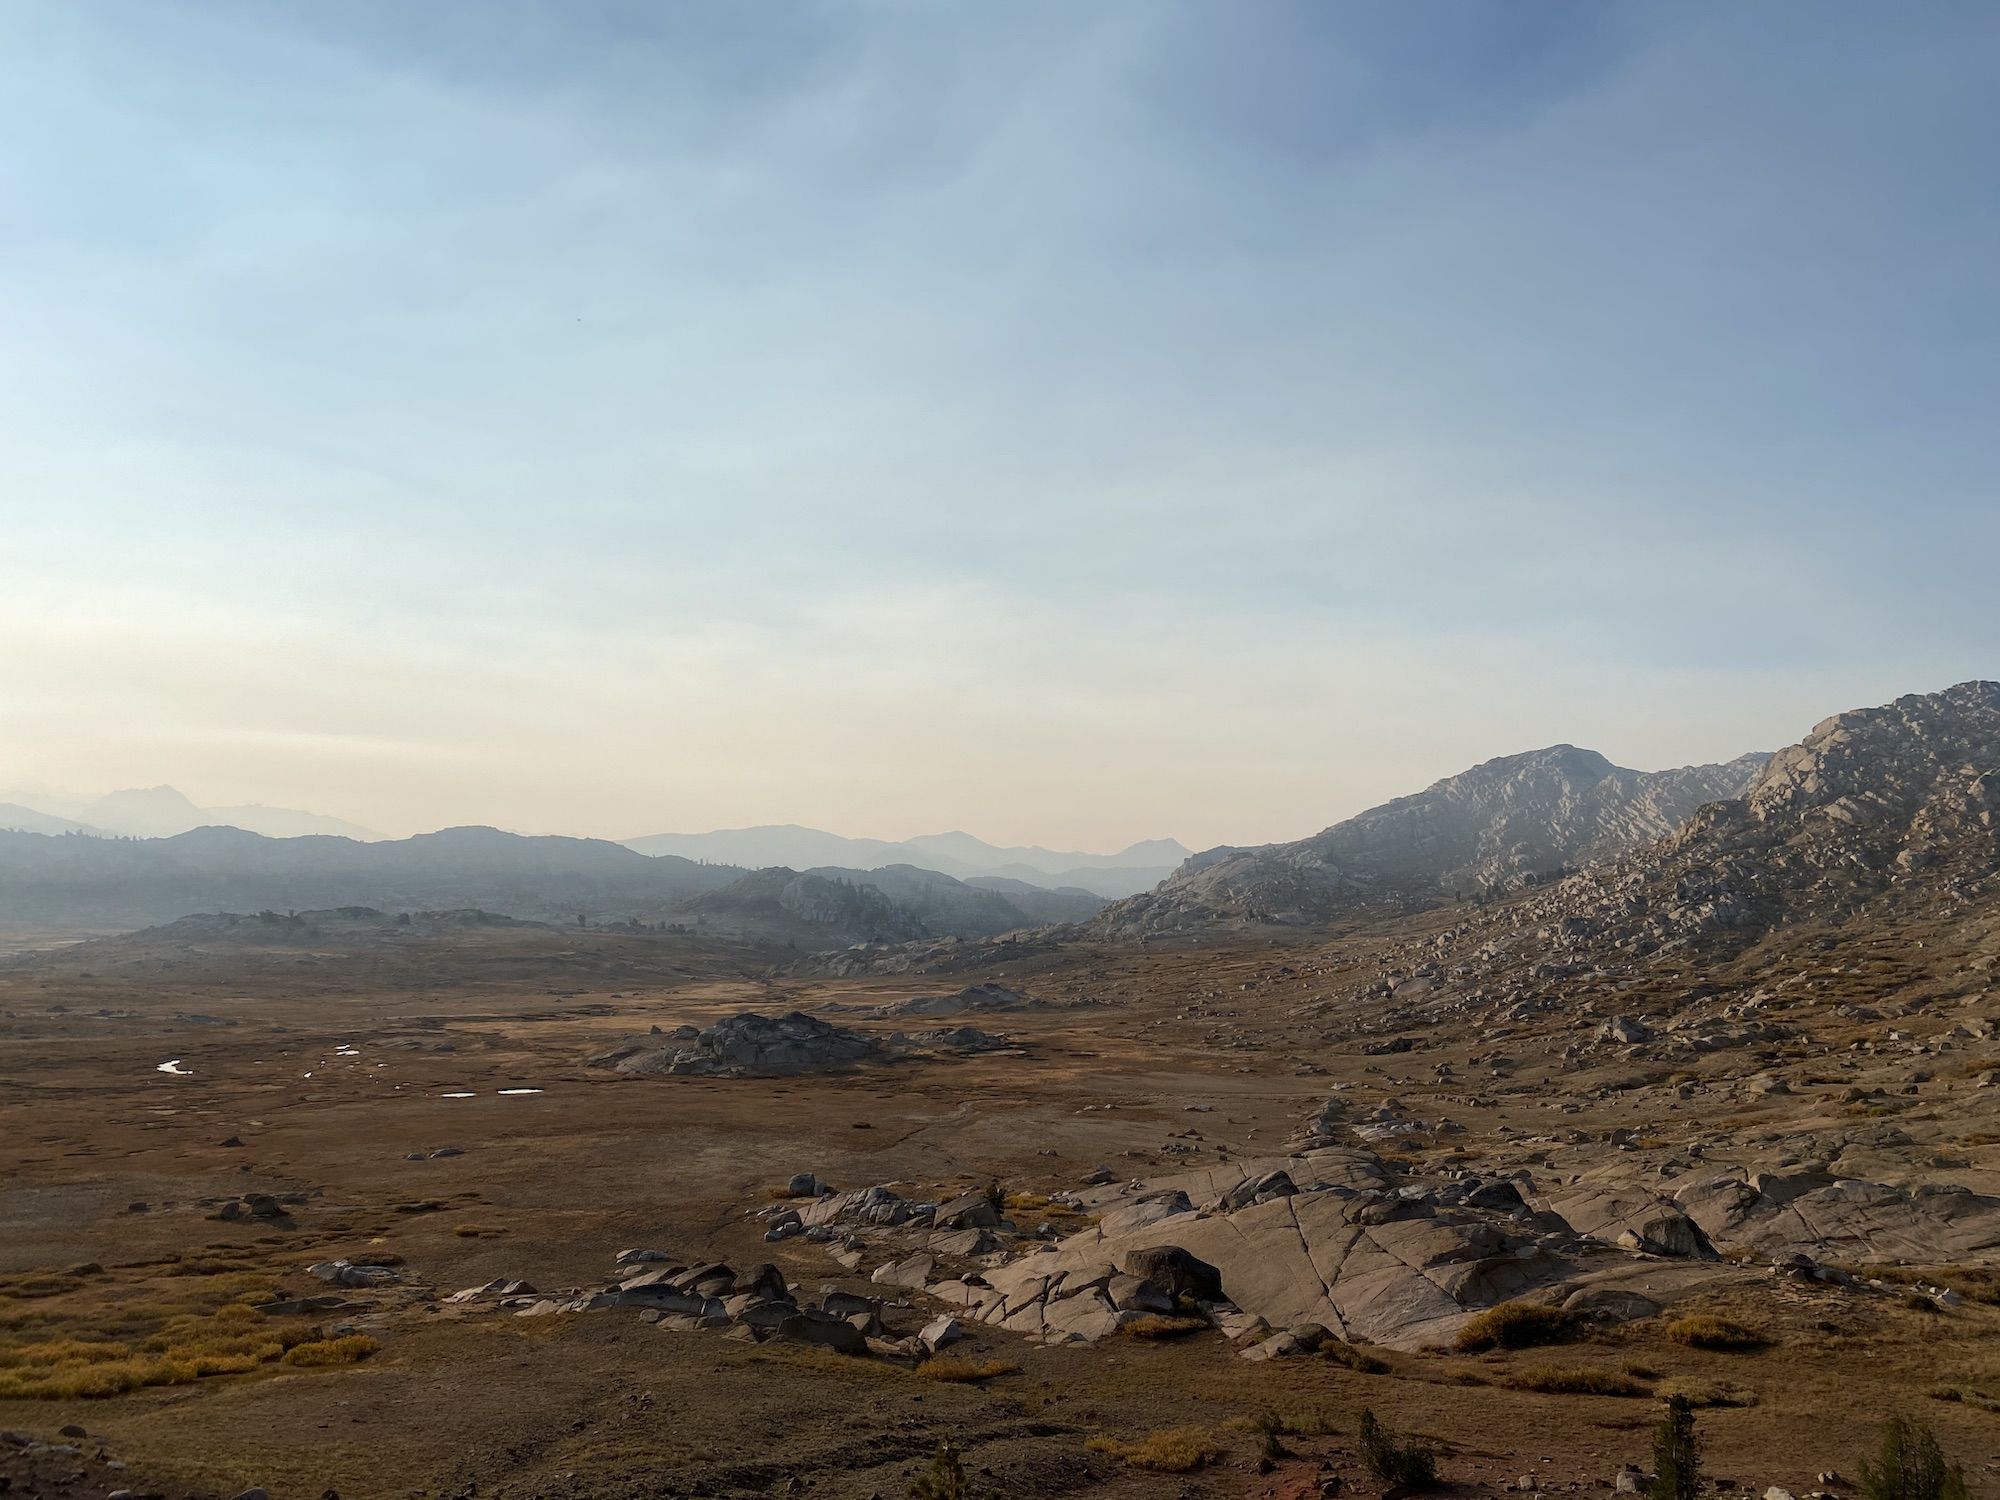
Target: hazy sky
(1069, 422)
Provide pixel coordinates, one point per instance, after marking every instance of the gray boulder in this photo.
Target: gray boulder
(1609, 1304)
(745, 1045)
(971, 1211)
(940, 1331)
(810, 1326)
(1175, 1271)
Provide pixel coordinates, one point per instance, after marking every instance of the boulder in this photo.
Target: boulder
(643, 1257)
(1136, 1294)
(941, 1330)
(1086, 1315)
(783, 1226)
(1609, 1304)
(1276, 1184)
(760, 1315)
(970, 1211)
(341, 1273)
(848, 1304)
(763, 1280)
(1496, 1197)
(911, 1273)
(713, 1279)
(1175, 1271)
(1633, 1219)
(967, 1243)
(809, 1326)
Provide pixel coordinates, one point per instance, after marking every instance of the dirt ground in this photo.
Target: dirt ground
(316, 1073)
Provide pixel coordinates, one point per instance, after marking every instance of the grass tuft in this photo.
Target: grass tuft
(1706, 1331)
(1163, 1326)
(319, 1354)
(1516, 1325)
(1698, 1392)
(956, 1371)
(1576, 1380)
(1175, 1450)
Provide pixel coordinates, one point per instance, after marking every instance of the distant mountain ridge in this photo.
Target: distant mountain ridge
(66, 879)
(19, 819)
(1519, 818)
(1137, 868)
(161, 812)
(73, 880)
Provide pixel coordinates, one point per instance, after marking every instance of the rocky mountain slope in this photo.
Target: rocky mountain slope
(1510, 821)
(1879, 817)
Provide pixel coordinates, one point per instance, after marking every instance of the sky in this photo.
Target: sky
(1070, 423)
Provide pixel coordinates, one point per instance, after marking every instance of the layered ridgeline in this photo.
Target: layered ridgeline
(160, 812)
(74, 881)
(79, 881)
(1508, 822)
(1010, 870)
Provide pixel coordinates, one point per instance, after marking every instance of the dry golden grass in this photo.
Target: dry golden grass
(63, 1339)
(1516, 1325)
(323, 1353)
(1707, 1331)
(1174, 1450)
(1576, 1380)
(1023, 1205)
(957, 1371)
(1278, 1424)
(1163, 1326)
(1974, 1283)
(1699, 1392)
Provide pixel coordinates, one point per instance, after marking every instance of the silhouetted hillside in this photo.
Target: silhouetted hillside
(74, 880)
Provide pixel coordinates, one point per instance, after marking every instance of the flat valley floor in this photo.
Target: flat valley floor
(326, 1078)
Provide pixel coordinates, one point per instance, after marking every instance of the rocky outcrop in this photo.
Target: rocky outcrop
(746, 1045)
(1844, 1219)
(749, 1045)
